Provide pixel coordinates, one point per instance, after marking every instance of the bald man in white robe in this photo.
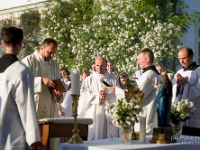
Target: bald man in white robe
(95, 100)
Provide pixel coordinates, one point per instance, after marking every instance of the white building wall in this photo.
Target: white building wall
(12, 9)
(191, 38)
(7, 4)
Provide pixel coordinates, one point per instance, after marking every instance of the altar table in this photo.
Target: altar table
(184, 143)
(62, 127)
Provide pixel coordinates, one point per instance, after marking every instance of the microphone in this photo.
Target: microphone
(105, 83)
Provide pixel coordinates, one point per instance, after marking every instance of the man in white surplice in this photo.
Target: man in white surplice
(145, 83)
(95, 99)
(18, 118)
(186, 84)
(45, 69)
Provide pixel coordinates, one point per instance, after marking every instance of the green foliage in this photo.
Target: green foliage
(5, 23)
(120, 29)
(116, 30)
(29, 22)
(60, 18)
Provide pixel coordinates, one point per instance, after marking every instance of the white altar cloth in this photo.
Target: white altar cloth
(184, 143)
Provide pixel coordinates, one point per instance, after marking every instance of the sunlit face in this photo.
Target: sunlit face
(142, 60)
(100, 65)
(159, 69)
(63, 73)
(109, 67)
(123, 82)
(84, 76)
(48, 51)
(184, 60)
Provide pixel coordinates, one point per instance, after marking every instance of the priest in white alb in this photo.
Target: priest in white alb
(45, 69)
(95, 100)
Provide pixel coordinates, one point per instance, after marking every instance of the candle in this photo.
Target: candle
(143, 129)
(143, 125)
(101, 87)
(75, 82)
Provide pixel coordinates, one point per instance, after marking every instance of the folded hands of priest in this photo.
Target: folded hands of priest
(180, 80)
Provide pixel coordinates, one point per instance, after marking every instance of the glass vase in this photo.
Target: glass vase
(125, 134)
(177, 130)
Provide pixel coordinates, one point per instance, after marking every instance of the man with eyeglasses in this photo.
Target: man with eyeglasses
(186, 85)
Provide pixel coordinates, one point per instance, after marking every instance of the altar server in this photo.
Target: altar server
(18, 118)
(186, 84)
(149, 77)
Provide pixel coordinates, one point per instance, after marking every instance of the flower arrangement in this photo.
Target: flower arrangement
(126, 111)
(181, 111)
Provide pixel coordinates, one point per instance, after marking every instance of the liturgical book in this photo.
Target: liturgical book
(61, 85)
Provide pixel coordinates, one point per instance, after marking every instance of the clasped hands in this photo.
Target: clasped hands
(35, 145)
(49, 83)
(180, 80)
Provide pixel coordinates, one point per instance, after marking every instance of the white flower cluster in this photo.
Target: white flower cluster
(125, 113)
(117, 34)
(116, 30)
(181, 111)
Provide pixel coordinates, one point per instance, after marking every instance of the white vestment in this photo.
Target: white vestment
(66, 105)
(145, 83)
(89, 106)
(137, 75)
(45, 102)
(190, 91)
(46, 106)
(18, 118)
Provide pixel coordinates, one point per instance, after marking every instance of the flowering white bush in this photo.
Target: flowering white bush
(114, 29)
(181, 111)
(118, 30)
(125, 113)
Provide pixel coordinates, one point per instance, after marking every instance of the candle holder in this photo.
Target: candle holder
(134, 135)
(75, 139)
